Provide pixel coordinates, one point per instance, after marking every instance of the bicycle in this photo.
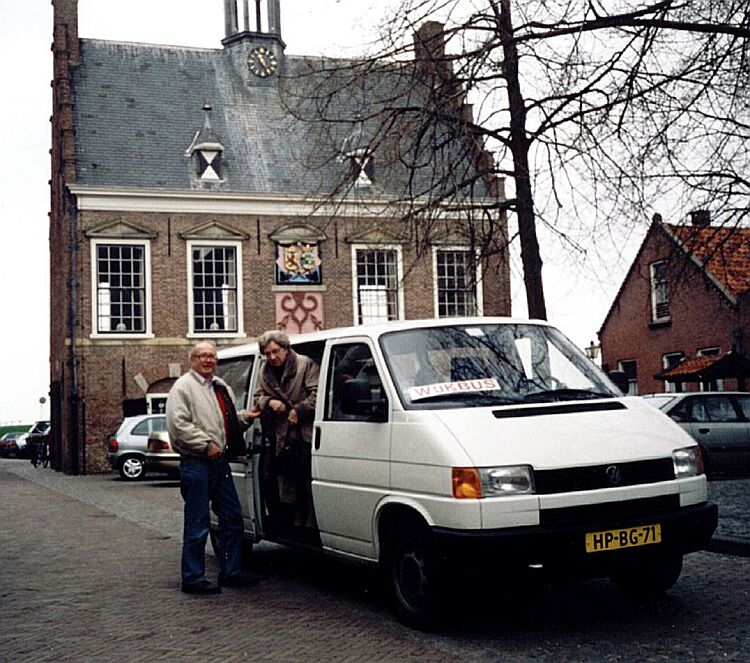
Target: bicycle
(40, 454)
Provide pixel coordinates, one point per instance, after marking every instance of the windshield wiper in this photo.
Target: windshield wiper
(565, 394)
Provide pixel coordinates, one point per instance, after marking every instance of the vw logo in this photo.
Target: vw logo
(613, 475)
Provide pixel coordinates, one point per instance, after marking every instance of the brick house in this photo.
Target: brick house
(681, 318)
(189, 200)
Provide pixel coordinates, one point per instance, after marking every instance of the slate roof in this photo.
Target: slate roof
(138, 108)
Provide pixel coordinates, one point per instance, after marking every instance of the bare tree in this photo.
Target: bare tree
(596, 111)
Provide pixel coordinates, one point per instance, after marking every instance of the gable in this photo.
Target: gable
(213, 230)
(691, 236)
(119, 229)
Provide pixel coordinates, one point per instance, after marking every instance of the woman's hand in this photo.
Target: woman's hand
(293, 418)
(277, 406)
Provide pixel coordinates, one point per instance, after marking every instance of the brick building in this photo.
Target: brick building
(682, 308)
(191, 198)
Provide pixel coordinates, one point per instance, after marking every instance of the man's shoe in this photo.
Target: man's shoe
(204, 587)
(238, 581)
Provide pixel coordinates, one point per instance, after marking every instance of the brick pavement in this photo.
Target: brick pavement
(89, 571)
(80, 583)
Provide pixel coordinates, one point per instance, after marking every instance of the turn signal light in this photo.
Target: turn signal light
(466, 483)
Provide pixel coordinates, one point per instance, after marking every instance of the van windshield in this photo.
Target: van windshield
(489, 364)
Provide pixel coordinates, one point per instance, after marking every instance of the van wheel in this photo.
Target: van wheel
(132, 468)
(414, 576)
(650, 575)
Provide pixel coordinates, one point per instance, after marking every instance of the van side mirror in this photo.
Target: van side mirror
(620, 380)
(357, 399)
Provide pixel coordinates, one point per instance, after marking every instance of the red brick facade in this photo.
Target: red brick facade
(703, 311)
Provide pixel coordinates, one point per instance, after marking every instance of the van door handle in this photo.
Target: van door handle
(316, 437)
(704, 431)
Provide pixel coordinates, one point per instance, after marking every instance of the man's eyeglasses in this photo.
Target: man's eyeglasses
(205, 356)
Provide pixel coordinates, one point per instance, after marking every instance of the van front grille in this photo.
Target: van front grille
(642, 508)
(595, 477)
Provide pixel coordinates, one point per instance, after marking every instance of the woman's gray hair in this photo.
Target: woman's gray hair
(275, 336)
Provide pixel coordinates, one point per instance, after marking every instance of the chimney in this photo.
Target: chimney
(429, 49)
(700, 218)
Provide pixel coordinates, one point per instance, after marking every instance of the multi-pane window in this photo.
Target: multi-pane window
(659, 291)
(120, 288)
(214, 288)
(630, 368)
(456, 282)
(377, 284)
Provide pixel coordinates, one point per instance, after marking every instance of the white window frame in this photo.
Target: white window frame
(399, 276)
(94, 248)
(478, 292)
(654, 291)
(192, 333)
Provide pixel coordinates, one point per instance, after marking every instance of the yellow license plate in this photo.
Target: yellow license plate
(630, 537)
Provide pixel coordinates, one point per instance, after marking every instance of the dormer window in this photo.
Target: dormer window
(207, 152)
(356, 151)
(208, 164)
(362, 168)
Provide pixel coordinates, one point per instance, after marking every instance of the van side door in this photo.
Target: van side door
(351, 451)
(240, 373)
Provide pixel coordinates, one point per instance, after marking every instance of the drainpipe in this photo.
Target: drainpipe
(73, 413)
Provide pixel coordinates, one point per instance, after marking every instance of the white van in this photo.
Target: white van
(478, 443)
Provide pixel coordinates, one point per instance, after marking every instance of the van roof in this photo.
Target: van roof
(374, 331)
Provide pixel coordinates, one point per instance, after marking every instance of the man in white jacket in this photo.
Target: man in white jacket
(203, 425)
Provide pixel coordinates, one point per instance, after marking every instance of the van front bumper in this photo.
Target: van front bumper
(563, 544)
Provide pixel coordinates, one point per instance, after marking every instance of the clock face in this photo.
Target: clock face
(262, 61)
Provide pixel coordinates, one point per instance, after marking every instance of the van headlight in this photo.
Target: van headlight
(479, 482)
(687, 462)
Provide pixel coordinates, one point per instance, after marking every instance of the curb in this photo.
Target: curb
(733, 547)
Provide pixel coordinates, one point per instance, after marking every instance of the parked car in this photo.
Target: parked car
(126, 449)
(718, 420)
(160, 457)
(23, 448)
(8, 443)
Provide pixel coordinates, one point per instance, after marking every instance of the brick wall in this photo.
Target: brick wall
(700, 317)
(108, 367)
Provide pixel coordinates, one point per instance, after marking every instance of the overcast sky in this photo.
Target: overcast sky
(577, 298)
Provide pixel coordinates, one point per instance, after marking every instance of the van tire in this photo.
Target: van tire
(132, 468)
(414, 575)
(649, 576)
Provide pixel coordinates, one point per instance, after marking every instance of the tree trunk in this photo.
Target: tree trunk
(519, 146)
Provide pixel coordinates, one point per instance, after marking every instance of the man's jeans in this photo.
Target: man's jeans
(205, 483)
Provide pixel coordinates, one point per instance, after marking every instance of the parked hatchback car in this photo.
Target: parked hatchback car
(718, 421)
(126, 449)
